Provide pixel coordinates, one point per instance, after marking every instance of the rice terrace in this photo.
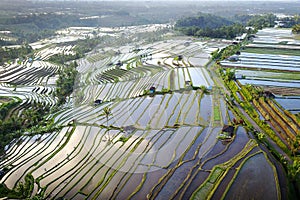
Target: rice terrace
(129, 100)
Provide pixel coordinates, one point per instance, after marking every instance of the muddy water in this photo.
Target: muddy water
(205, 109)
(175, 181)
(200, 177)
(254, 181)
(234, 148)
(191, 153)
(152, 109)
(200, 60)
(224, 183)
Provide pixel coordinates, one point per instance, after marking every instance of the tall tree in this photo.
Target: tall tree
(107, 112)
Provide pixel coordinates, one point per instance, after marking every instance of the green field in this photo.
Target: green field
(275, 51)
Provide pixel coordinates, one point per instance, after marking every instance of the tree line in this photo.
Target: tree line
(65, 82)
(207, 25)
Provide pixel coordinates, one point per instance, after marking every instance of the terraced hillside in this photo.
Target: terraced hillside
(155, 132)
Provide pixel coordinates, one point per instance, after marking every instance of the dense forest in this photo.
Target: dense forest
(203, 21)
(65, 82)
(207, 25)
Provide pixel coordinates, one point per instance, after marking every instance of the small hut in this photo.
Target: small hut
(152, 90)
(228, 130)
(98, 102)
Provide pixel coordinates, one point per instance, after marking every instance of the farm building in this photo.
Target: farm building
(152, 90)
(228, 130)
(98, 102)
(188, 83)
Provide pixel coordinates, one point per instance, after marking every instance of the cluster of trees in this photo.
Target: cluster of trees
(7, 54)
(203, 21)
(86, 45)
(12, 125)
(262, 21)
(7, 106)
(65, 82)
(228, 32)
(206, 25)
(296, 29)
(62, 58)
(226, 52)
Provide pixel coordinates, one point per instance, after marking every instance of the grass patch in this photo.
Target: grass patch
(274, 75)
(217, 116)
(258, 50)
(123, 139)
(209, 186)
(286, 76)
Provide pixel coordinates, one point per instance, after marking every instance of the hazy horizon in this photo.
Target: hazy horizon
(174, 0)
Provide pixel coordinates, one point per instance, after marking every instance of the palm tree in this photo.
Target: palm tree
(107, 112)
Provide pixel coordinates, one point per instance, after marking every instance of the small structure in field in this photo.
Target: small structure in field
(98, 102)
(227, 132)
(119, 63)
(188, 83)
(152, 90)
(2, 173)
(269, 94)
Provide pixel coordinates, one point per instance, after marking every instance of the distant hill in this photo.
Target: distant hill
(203, 21)
(207, 25)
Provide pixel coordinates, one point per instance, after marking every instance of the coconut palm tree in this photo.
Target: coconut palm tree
(107, 112)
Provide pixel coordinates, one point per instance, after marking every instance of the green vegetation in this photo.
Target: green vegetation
(6, 107)
(62, 58)
(217, 116)
(8, 54)
(228, 32)
(218, 173)
(296, 29)
(251, 100)
(203, 21)
(271, 50)
(22, 191)
(31, 120)
(65, 82)
(262, 21)
(207, 25)
(123, 139)
(226, 52)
